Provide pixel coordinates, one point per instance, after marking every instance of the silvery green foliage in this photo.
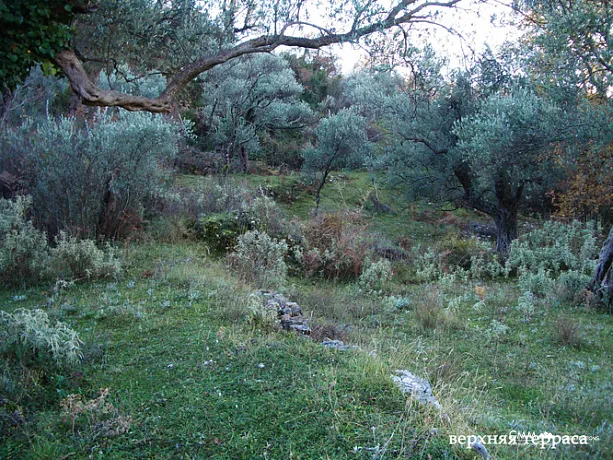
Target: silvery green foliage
(557, 247)
(124, 80)
(504, 138)
(72, 168)
(81, 259)
(29, 334)
(164, 35)
(341, 143)
(263, 213)
(34, 99)
(261, 316)
(375, 276)
(483, 265)
(260, 259)
(249, 95)
(496, 330)
(574, 41)
(556, 260)
(23, 249)
(416, 117)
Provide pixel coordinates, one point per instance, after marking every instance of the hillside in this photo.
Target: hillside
(180, 361)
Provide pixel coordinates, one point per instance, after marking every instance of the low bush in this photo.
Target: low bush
(556, 247)
(29, 337)
(80, 259)
(260, 259)
(468, 258)
(218, 212)
(555, 262)
(335, 247)
(24, 253)
(376, 276)
(220, 231)
(264, 214)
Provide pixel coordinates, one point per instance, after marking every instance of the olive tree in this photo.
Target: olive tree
(185, 38)
(503, 144)
(341, 142)
(247, 98)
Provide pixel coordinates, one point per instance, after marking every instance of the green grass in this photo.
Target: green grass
(172, 342)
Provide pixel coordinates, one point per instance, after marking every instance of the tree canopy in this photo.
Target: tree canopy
(190, 37)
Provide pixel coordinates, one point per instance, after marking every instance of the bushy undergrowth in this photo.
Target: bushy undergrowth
(555, 262)
(23, 249)
(335, 247)
(25, 255)
(28, 336)
(468, 258)
(94, 179)
(78, 259)
(376, 276)
(35, 354)
(260, 259)
(555, 248)
(218, 212)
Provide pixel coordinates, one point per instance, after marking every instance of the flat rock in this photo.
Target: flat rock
(418, 387)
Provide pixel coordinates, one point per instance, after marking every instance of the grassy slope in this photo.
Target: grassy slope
(180, 358)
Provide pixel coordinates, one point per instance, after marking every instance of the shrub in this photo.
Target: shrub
(376, 276)
(568, 332)
(81, 259)
(459, 252)
(97, 179)
(220, 231)
(570, 285)
(465, 257)
(264, 214)
(556, 261)
(334, 247)
(220, 211)
(213, 196)
(539, 283)
(29, 336)
(24, 253)
(556, 247)
(525, 304)
(261, 316)
(496, 330)
(260, 259)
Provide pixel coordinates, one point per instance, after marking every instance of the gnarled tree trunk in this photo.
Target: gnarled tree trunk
(504, 211)
(506, 229)
(508, 197)
(602, 282)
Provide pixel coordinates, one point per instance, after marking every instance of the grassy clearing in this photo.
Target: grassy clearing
(192, 377)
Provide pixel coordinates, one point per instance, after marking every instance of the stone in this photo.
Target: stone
(295, 309)
(480, 449)
(289, 314)
(419, 388)
(338, 345)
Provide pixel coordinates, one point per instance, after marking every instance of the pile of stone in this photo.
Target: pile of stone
(289, 314)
